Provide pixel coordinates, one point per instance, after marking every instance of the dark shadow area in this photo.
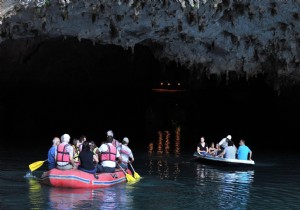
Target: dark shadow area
(65, 86)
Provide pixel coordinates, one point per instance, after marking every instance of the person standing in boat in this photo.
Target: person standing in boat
(229, 152)
(64, 154)
(108, 155)
(224, 142)
(51, 153)
(125, 153)
(243, 151)
(87, 159)
(202, 147)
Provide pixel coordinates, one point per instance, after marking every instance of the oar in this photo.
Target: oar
(128, 176)
(36, 165)
(135, 174)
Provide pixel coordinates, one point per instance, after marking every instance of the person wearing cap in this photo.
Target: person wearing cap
(224, 142)
(108, 155)
(125, 153)
(115, 142)
(51, 153)
(64, 154)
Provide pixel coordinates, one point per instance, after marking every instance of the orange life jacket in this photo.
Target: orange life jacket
(110, 154)
(62, 154)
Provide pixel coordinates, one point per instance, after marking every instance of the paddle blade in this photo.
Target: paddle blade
(136, 175)
(130, 178)
(36, 165)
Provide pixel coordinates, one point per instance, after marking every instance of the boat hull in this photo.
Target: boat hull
(79, 179)
(212, 160)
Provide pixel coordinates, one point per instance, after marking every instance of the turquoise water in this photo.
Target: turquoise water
(169, 181)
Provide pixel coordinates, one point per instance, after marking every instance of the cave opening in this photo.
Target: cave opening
(55, 86)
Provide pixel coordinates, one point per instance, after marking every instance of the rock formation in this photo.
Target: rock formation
(229, 37)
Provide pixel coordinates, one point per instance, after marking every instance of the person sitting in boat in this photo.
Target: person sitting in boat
(115, 142)
(202, 147)
(93, 147)
(212, 150)
(51, 153)
(125, 153)
(108, 154)
(87, 159)
(82, 139)
(76, 149)
(64, 154)
(229, 152)
(243, 151)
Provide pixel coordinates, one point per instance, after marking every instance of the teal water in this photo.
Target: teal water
(169, 181)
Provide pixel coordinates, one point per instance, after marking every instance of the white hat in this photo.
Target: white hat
(229, 137)
(110, 133)
(65, 138)
(125, 139)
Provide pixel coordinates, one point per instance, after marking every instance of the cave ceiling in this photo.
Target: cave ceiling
(210, 36)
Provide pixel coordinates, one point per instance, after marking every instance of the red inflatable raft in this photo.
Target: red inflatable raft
(79, 179)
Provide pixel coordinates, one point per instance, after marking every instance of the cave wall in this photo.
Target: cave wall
(214, 37)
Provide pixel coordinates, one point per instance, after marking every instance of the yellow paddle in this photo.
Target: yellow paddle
(128, 176)
(135, 174)
(36, 165)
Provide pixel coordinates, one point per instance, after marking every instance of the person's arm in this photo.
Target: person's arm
(198, 149)
(206, 148)
(95, 158)
(250, 155)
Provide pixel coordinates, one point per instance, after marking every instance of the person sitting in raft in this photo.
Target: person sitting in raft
(87, 159)
(108, 154)
(64, 154)
(243, 151)
(51, 153)
(125, 153)
(115, 142)
(93, 147)
(82, 139)
(202, 147)
(229, 151)
(76, 149)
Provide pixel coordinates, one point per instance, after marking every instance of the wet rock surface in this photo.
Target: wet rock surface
(238, 39)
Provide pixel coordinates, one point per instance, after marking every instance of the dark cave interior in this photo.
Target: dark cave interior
(66, 86)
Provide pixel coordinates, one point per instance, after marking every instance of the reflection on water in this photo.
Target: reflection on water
(166, 142)
(233, 187)
(116, 197)
(35, 196)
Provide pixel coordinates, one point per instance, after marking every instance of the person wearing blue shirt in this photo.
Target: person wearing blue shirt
(51, 153)
(243, 151)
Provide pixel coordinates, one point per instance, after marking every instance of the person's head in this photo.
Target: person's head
(125, 141)
(76, 142)
(110, 133)
(202, 139)
(65, 138)
(242, 142)
(109, 139)
(212, 144)
(92, 145)
(55, 141)
(82, 138)
(229, 137)
(85, 146)
(230, 143)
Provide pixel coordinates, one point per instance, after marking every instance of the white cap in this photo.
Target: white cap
(229, 137)
(126, 140)
(110, 133)
(65, 138)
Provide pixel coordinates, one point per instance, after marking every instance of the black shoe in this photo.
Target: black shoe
(96, 176)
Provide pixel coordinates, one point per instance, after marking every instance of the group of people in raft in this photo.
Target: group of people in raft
(225, 149)
(86, 156)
